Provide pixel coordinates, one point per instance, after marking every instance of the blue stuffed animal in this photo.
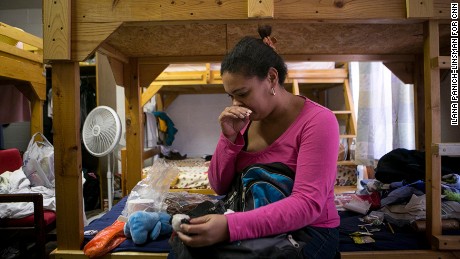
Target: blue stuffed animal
(142, 225)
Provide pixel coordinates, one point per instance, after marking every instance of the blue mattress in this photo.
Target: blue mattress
(159, 245)
(401, 239)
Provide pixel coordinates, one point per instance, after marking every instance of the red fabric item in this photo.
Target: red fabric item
(373, 198)
(10, 160)
(49, 217)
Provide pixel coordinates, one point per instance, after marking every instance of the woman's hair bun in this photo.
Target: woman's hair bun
(264, 31)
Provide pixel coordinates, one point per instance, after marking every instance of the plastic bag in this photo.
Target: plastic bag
(38, 162)
(149, 193)
(106, 240)
(183, 202)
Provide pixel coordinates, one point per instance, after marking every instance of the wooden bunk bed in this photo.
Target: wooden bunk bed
(307, 78)
(23, 68)
(142, 37)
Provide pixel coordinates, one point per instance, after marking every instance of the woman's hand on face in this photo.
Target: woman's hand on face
(204, 231)
(232, 120)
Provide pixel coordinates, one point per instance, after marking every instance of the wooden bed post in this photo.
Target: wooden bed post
(57, 16)
(134, 123)
(432, 129)
(67, 154)
(36, 105)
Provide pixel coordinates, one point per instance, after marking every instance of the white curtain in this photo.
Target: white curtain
(385, 111)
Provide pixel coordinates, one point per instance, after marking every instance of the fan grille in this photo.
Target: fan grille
(101, 131)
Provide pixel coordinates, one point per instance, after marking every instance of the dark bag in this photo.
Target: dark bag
(259, 185)
(256, 186)
(283, 246)
(409, 166)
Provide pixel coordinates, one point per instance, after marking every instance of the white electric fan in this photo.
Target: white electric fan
(101, 133)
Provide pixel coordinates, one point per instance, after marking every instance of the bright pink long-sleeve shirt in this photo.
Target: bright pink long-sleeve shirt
(310, 148)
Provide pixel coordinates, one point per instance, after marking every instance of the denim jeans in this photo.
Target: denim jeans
(324, 243)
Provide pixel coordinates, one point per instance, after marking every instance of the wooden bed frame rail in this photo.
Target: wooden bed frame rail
(23, 68)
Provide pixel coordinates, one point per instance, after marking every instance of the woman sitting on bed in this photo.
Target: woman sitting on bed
(265, 124)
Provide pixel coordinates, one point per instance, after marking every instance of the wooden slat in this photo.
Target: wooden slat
(106, 11)
(36, 120)
(336, 10)
(159, 102)
(442, 62)
(182, 76)
(260, 9)
(149, 93)
(352, 127)
(163, 10)
(57, 29)
(419, 105)
(419, 8)
(179, 82)
(67, 154)
(21, 36)
(324, 81)
(14, 51)
(447, 242)
(446, 149)
(287, 57)
(318, 73)
(124, 166)
(134, 126)
(18, 70)
(432, 130)
(150, 153)
(215, 77)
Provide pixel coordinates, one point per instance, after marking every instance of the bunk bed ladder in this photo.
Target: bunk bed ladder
(433, 62)
(348, 115)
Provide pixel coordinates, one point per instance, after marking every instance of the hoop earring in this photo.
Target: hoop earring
(273, 91)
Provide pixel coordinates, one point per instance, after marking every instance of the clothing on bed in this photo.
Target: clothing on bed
(17, 182)
(404, 204)
(309, 146)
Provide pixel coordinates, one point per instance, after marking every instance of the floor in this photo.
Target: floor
(25, 250)
(16, 250)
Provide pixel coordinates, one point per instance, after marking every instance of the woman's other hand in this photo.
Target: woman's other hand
(204, 231)
(232, 120)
